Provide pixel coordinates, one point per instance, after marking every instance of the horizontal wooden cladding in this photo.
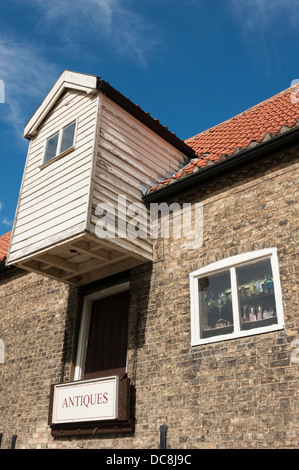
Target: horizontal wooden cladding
(140, 247)
(133, 132)
(129, 156)
(80, 189)
(54, 199)
(68, 80)
(131, 151)
(82, 109)
(76, 175)
(66, 110)
(65, 209)
(130, 172)
(57, 172)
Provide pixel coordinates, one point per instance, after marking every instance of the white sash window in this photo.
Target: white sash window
(235, 297)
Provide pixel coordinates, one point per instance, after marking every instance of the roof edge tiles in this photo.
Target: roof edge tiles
(251, 129)
(4, 245)
(224, 167)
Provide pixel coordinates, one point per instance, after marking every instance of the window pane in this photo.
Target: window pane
(51, 147)
(215, 305)
(256, 295)
(67, 139)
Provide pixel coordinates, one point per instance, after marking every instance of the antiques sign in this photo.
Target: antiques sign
(88, 400)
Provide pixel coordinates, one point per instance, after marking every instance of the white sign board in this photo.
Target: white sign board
(88, 400)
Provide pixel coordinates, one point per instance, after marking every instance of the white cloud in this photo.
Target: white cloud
(27, 77)
(262, 14)
(4, 220)
(7, 222)
(111, 22)
(263, 24)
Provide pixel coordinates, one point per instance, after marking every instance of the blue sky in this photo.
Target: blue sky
(191, 63)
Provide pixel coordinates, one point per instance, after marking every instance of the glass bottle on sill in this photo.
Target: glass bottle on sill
(252, 316)
(271, 312)
(259, 315)
(265, 314)
(244, 315)
(268, 285)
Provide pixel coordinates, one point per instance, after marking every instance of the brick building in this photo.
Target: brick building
(106, 338)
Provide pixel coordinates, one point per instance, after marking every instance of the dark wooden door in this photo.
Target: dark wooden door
(107, 340)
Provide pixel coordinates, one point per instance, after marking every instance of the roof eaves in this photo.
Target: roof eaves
(145, 118)
(224, 166)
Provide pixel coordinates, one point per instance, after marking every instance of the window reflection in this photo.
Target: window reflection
(256, 295)
(215, 305)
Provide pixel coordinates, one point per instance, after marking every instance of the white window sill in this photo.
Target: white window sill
(54, 159)
(236, 335)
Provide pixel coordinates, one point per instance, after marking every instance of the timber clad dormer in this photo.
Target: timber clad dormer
(113, 149)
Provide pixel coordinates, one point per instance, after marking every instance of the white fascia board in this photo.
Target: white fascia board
(67, 79)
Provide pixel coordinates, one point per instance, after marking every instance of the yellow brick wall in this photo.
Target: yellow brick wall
(240, 393)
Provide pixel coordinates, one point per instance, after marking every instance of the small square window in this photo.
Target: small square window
(236, 297)
(51, 147)
(67, 139)
(60, 142)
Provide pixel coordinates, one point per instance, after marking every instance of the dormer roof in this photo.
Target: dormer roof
(67, 79)
(92, 84)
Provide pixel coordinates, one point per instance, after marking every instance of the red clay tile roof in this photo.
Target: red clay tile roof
(253, 126)
(4, 244)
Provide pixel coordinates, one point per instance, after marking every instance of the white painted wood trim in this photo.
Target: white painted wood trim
(235, 301)
(93, 161)
(230, 264)
(194, 301)
(85, 320)
(65, 152)
(19, 256)
(73, 80)
(234, 261)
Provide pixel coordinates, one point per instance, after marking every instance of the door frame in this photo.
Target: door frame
(85, 321)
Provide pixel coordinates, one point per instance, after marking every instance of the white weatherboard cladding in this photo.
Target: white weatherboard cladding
(67, 80)
(128, 155)
(114, 156)
(54, 198)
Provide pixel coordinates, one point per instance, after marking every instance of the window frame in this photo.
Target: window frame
(85, 322)
(60, 134)
(230, 264)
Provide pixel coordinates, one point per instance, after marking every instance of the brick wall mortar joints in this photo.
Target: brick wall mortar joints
(194, 389)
